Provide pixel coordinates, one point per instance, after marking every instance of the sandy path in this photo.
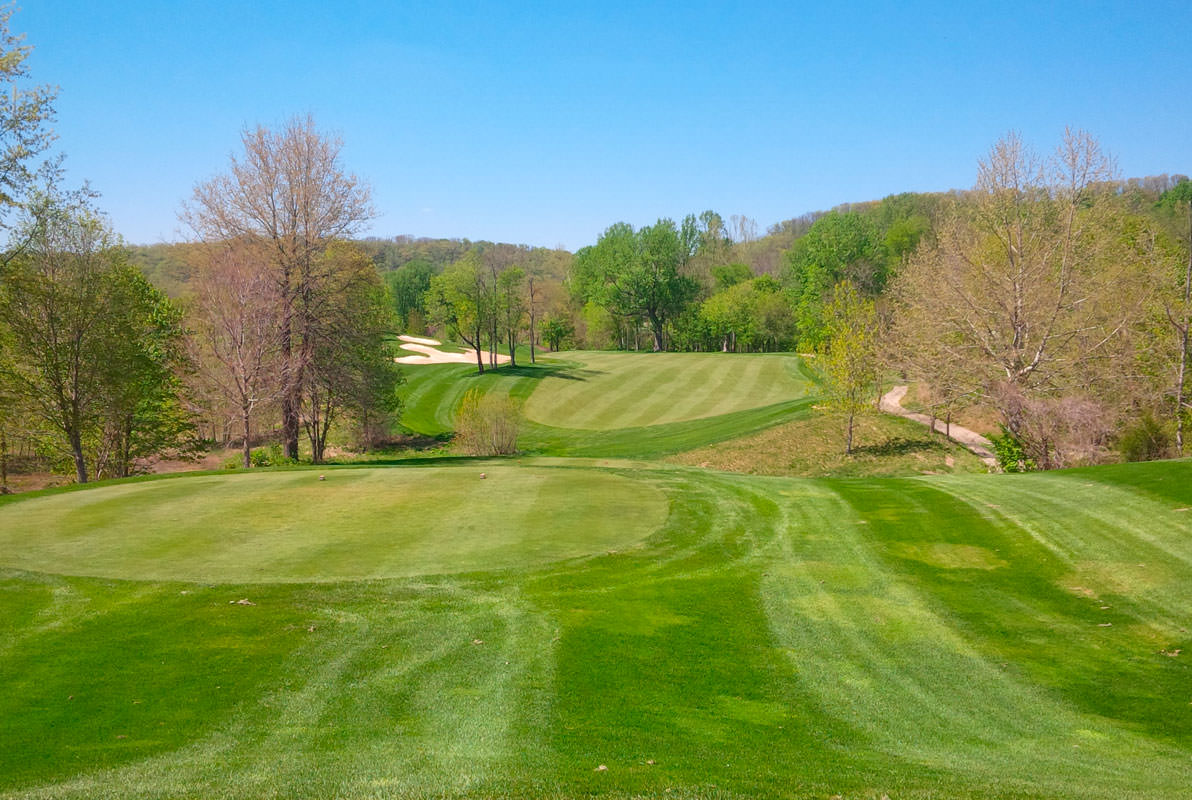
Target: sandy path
(428, 354)
(891, 403)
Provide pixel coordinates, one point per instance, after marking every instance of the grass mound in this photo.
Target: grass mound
(358, 523)
(813, 446)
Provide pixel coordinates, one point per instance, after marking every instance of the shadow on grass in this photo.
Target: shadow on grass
(899, 446)
(540, 371)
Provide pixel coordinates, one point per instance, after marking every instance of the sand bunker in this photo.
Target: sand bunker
(428, 354)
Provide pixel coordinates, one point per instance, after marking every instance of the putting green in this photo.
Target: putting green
(633, 390)
(357, 524)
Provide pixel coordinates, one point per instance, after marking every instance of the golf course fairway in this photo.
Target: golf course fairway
(664, 632)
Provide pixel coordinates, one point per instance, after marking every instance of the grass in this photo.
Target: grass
(606, 626)
(692, 407)
(941, 636)
(358, 523)
(813, 446)
(607, 391)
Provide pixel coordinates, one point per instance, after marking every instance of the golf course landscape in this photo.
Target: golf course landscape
(588, 619)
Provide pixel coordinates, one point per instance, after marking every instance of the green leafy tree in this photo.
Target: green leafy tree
(92, 347)
(461, 300)
(350, 365)
(838, 247)
(638, 274)
(511, 306)
(555, 331)
(849, 356)
(408, 285)
(25, 117)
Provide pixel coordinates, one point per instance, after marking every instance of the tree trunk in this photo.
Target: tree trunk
(848, 446)
(3, 460)
(76, 448)
(656, 329)
(247, 446)
(512, 348)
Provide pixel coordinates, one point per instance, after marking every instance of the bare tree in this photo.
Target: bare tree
(1029, 285)
(236, 345)
(289, 194)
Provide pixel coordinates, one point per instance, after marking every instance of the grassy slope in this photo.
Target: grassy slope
(636, 390)
(432, 393)
(813, 446)
(978, 636)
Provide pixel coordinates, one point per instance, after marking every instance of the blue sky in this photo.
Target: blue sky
(543, 124)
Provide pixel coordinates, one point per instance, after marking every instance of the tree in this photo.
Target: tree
(555, 331)
(236, 339)
(511, 306)
(638, 274)
(289, 196)
(25, 134)
(1032, 284)
(91, 347)
(460, 299)
(350, 367)
(838, 247)
(1179, 197)
(849, 355)
(408, 284)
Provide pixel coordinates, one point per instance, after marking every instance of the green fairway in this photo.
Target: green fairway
(634, 390)
(722, 636)
(622, 404)
(358, 523)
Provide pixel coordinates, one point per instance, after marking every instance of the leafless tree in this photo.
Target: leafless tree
(236, 344)
(1028, 288)
(288, 196)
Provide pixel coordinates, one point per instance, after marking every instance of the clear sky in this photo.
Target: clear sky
(543, 124)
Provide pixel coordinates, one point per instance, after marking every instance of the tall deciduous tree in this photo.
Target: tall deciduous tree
(25, 117)
(289, 195)
(1179, 197)
(350, 368)
(1031, 284)
(511, 306)
(461, 300)
(638, 274)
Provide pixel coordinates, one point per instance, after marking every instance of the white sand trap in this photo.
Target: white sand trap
(427, 354)
(420, 340)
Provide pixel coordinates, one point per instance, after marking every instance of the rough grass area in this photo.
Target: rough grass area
(814, 447)
(978, 636)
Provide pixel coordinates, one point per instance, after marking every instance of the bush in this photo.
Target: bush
(1145, 440)
(487, 424)
(1011, 456)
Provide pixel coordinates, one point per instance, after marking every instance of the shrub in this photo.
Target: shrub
(1011, 456)
(487, 424)
(1145, 440)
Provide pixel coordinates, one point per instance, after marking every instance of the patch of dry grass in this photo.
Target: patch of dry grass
(814, 447)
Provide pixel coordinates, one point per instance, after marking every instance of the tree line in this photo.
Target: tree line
(286, 322)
